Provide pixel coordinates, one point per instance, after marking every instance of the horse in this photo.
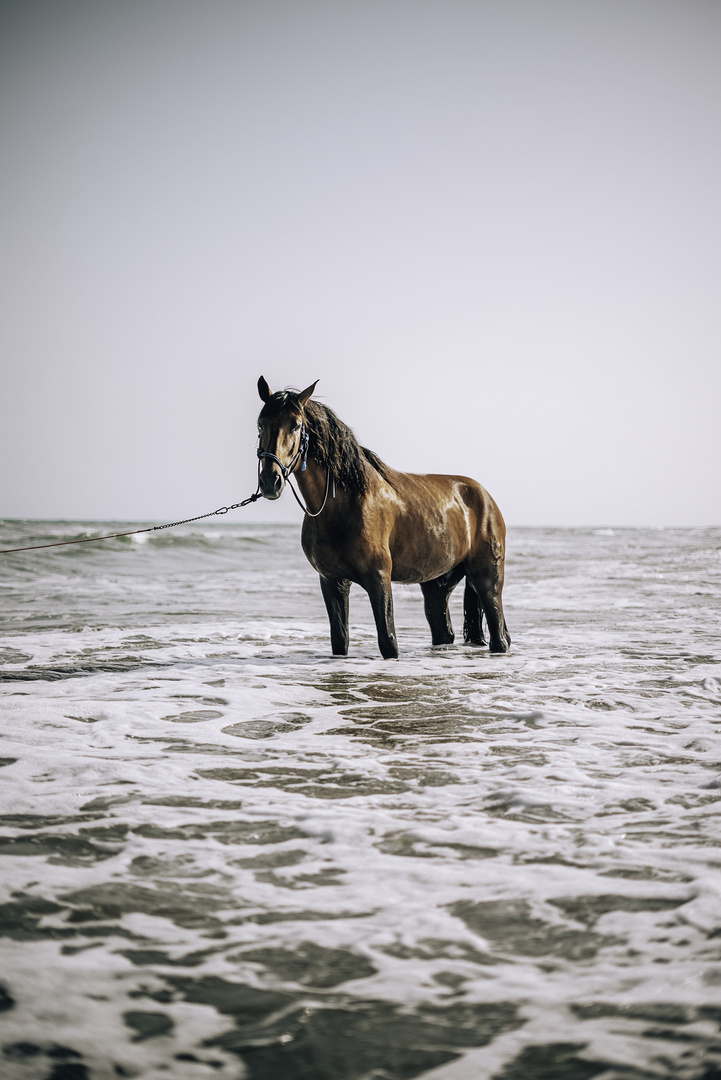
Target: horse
(369, 524)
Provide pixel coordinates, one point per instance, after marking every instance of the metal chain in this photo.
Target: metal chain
(134, 532)
(187, 521)
(173, 524)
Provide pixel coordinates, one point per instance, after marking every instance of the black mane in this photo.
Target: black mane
(335, 447)
(331, 442)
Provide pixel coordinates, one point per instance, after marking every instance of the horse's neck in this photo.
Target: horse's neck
(313, 482)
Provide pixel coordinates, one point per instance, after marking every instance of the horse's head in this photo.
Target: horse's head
(282, 436)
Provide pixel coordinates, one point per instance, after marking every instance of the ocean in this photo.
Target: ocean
(224, 853)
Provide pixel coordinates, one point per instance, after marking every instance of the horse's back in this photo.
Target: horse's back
(438, 494)
(438, 522)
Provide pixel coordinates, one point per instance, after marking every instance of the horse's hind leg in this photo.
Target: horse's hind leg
(435, 598)
(335, 593)
(472, 617)
(487, 580)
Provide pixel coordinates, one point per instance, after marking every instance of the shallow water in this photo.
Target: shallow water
(226, 854)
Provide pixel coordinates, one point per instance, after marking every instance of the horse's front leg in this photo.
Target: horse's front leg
(378, 586)
(335, 593)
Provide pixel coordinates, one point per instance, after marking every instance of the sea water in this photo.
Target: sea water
(225, 853)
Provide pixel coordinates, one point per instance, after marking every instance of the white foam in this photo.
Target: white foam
(582, 766)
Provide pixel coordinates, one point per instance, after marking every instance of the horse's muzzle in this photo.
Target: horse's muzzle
(271, 481)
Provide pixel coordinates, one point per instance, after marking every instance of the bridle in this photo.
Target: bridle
(300, 455)
(302, 452)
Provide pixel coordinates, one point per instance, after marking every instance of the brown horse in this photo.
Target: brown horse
(367, 523)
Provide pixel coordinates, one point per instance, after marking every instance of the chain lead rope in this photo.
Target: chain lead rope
(134, 532)
(172, 524)
(286, 470)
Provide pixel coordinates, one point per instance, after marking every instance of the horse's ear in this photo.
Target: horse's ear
(263, 389)
(306, 394)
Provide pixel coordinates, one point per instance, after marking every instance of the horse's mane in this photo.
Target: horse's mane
(332, 443)
(335, 447)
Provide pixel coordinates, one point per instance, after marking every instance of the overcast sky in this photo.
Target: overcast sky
(490, 227)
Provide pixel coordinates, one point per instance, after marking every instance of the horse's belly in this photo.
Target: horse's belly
(420, 570)
(427, 557)
(426, 545)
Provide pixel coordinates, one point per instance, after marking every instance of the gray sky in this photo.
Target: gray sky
(490, 227)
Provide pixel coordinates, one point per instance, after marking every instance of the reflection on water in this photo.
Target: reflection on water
(225, 853)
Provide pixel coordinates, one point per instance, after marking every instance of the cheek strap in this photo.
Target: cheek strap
(301, 453)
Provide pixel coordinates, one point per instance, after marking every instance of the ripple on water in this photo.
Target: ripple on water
(229, 855)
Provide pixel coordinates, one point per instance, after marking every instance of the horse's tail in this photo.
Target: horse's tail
(472, 617)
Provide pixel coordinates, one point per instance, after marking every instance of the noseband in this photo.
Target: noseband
(302, 453)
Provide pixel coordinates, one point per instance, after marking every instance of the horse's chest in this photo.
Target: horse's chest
(328, 553)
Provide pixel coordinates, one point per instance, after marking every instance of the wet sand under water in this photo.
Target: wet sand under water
(224, 853)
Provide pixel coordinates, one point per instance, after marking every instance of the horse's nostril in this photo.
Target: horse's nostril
(271, 482)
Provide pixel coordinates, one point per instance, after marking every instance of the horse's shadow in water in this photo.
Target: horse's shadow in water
(370, 524)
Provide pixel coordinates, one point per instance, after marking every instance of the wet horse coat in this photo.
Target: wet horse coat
(370, 524)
